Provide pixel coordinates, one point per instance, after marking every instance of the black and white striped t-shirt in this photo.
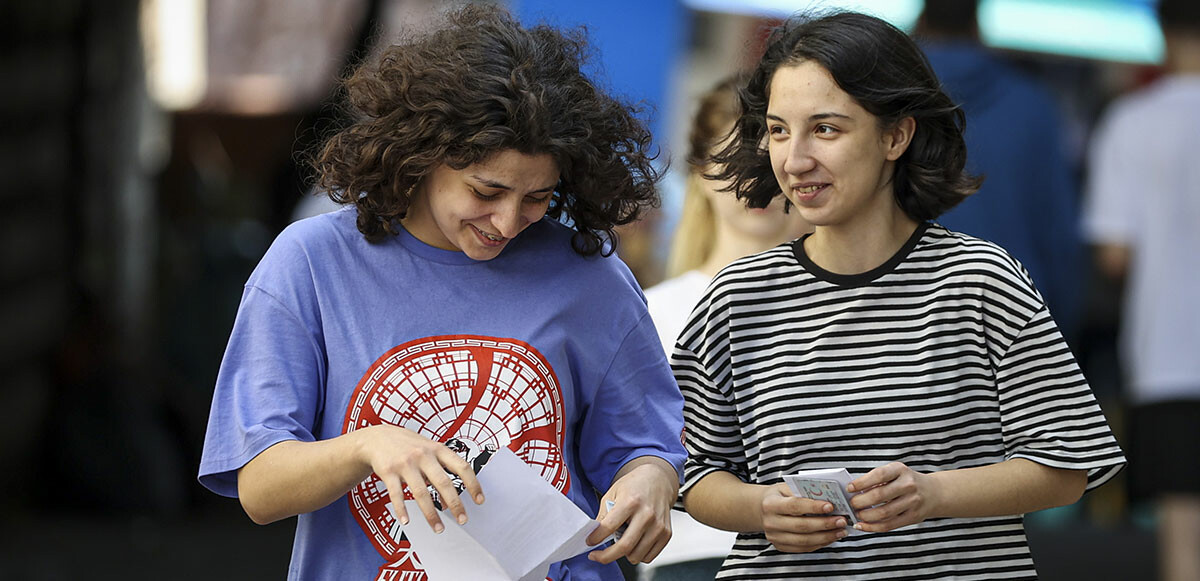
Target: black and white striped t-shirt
(944, 357)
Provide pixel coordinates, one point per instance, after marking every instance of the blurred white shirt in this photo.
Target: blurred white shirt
(1144, 193)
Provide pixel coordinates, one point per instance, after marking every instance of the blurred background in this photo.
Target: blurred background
(149, 149)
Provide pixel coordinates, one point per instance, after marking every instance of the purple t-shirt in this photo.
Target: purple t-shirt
(541, 350)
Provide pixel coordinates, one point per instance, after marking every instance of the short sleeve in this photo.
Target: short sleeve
(267, 389)
(1048, 412)
(635, 411)
(702, 368)
(1110, 213)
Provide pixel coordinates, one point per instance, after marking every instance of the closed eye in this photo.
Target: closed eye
(483, 196)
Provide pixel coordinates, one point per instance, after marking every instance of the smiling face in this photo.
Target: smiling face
(480, 208)
(831, 157)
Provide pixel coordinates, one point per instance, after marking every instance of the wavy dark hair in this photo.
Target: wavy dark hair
(880, 67)
(477, 85)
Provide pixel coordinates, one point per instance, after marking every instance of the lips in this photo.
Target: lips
(490, 240)
(807, 192)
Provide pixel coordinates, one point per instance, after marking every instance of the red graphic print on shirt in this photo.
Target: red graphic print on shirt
(473, 393)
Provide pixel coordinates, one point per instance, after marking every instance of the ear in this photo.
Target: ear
(898, 137)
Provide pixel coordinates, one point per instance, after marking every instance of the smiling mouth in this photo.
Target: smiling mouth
(489, 237)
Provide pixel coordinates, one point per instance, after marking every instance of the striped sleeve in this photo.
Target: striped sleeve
(702, 368)
(1048, 413)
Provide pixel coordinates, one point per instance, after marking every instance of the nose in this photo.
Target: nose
(799, 157)
(508, 219)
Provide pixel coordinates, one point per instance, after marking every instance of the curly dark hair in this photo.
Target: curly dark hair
(886, 73)
(475, 86)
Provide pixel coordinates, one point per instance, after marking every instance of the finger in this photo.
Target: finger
(441, 482)
(659, 542)
(881, 475)
(804, 542)
(808, 506)
(641, 534)
(610, 521)
(874, 496)
(395, 490)
(658, 548)
(882, 526)
(463, 470)
(618, 549)
(797, 506)
(890, 509)
(420, 494)
(602, 532)
(610, 553)
(649, 543)
(805, 524)
(881, 495)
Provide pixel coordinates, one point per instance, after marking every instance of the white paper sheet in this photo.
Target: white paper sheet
(828, 485)
(523, 527)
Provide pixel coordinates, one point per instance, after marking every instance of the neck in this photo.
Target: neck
(862, 247)
(731, 245)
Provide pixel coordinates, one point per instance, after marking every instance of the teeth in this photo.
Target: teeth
(807, 189)
(490, 237)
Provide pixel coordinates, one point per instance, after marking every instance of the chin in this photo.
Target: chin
(483, 254)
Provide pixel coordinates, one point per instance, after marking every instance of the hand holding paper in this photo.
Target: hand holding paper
(640, 513)
(827, 485)
(524, 526)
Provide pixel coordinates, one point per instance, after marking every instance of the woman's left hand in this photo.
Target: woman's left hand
(893, 496)
(642, 496)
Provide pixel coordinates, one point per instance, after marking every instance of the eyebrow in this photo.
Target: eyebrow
(815, 116)
(501, 186)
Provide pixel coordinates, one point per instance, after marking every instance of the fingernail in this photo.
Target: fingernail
(850, 488)
(827, 508)
(841, 522)
(841, 534)
(404, 520)
(462, 519)
(438, 528)
(478, 499)
(858, 526)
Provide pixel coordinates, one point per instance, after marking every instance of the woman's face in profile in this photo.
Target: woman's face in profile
(479, 209)
(832, 159)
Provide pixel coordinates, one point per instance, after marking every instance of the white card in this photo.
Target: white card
(828, 485)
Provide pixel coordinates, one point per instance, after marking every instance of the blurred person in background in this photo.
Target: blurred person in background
(921, 360)
(1142, 213)
(715, 228)
(1028, 203)
(448, 301)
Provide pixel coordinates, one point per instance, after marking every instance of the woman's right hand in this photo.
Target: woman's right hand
(789, 522)
(402, 457)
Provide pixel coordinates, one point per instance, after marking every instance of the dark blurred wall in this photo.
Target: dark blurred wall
(86, 425)
(39, 137)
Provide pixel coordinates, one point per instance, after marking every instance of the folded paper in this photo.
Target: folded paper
(523, 527)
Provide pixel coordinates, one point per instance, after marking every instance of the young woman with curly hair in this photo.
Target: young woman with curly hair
(922, 360)
(465, 299)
